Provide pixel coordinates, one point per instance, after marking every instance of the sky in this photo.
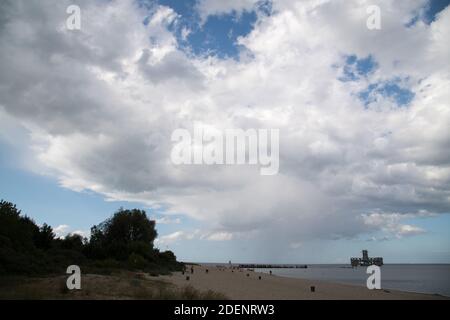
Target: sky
(86, 118)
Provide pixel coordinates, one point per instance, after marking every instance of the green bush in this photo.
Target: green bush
(137, 262)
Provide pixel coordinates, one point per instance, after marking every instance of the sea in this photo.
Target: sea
(420, 278)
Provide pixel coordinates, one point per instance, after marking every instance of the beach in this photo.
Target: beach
(236, 285)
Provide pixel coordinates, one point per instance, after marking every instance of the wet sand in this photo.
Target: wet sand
(236, 285)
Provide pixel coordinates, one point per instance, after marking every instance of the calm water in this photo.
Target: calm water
(425, 278)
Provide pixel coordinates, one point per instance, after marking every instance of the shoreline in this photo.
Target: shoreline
(362, 286)
(240, 284)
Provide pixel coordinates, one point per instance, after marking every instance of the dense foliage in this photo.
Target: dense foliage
(125, 241)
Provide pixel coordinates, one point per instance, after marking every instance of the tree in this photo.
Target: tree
(123, 241)
(15, 230)
(44, 238)
(73, 242)
(126, 232)
(130, 226)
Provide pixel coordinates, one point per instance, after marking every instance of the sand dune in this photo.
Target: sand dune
(236, 285)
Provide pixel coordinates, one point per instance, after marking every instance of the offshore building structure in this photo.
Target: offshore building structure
(365, 261)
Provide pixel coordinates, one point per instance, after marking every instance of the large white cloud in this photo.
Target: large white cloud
(100, 105)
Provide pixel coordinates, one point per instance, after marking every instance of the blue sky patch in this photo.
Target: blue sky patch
(218, 35)
(390, 89)
(433, 8)
(429, 12)
(356, 68)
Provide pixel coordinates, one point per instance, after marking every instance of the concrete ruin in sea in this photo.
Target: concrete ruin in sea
(365, 261)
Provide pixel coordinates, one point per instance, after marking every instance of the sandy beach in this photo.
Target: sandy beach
(236, 285)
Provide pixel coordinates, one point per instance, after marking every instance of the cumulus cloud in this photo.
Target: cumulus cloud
(171, 238)
(219, 236)
(61, 231)
(390, 223)
(208, 8)
(100, 105)
(197, 234)
(166, 220)
(177, 236)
